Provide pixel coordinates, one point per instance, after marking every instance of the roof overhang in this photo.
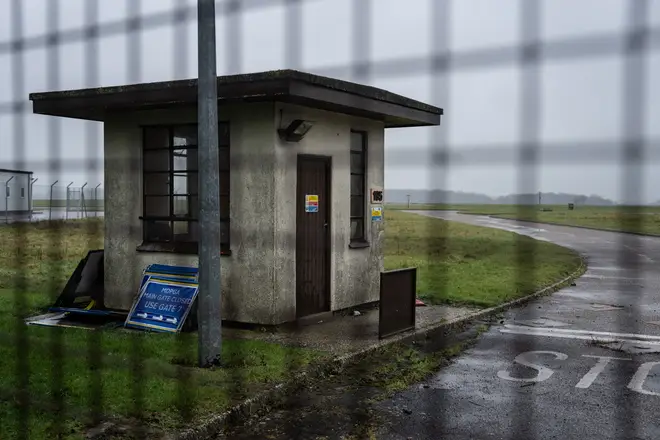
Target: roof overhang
(283, 86)
(5, 170)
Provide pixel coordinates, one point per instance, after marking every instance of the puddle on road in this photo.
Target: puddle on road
(606, 268)
(630, 347)
(586, 298)
(604, 307)
(540, 322)
(575, 305)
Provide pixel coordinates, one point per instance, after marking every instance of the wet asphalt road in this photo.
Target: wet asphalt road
(583, 363)
(543, 372)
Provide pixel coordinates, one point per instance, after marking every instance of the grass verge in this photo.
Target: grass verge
(53, 380)
(56, 377)
(395, 367)
(639, 220)
(470, 265)
(91, 205)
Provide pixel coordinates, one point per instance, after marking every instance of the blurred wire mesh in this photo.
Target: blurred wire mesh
(518, 121)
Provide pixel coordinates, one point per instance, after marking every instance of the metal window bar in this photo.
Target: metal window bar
(634, 46)
(359, 217)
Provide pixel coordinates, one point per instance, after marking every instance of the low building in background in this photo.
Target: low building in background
(15, 192)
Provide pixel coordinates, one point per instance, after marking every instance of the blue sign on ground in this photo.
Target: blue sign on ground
(174, 273)
(166, 296)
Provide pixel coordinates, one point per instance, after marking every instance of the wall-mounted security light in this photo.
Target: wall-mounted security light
(296, 130)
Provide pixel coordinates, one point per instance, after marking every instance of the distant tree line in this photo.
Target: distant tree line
(457, 197)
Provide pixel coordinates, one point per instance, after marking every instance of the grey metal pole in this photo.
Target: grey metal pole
(7, 199)
(82, 211)
(66, 214)
(30, 197)
(209, 301)
(96, 200)
(50, 201)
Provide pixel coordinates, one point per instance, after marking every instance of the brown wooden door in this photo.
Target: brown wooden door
(313, 236)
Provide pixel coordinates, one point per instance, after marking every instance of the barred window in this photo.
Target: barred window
(171, 186)
(358, 184)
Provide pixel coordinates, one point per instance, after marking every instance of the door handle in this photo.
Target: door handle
(325, 225)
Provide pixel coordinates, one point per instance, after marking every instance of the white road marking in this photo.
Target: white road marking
(645, 257)
(605, 277)
(592, 374)
(581, 334)
(570, 234)
(637, 382)
(543, 372)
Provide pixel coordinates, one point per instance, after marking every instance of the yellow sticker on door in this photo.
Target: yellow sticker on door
(311, 203)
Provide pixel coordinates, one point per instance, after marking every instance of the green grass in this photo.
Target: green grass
(457, 264)
(642, 220)
(42, 255)
(96, 205)
(396, 367)
(471, 265)
(168, 383)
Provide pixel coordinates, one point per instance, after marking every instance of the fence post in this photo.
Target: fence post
(96, 200)
(81, 202)
(31, 197)
(7, 199)
(66, 215)
(50, 201)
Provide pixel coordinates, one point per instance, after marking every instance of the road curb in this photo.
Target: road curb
(268, 400)
(589, 228)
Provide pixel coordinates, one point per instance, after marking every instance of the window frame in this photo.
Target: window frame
(360, 240)
(172, 245)
(22, 192)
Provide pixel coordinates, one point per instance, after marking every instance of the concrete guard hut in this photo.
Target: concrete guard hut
(301, 166)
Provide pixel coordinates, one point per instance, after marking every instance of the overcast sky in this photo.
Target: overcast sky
(581, 101)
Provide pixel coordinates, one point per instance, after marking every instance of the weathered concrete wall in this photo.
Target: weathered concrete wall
(122, 140)
(258, 278)
(354, 272)
(247, 274)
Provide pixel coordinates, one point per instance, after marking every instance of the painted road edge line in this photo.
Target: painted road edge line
(639, 234)
(600, 339)
(563, 332)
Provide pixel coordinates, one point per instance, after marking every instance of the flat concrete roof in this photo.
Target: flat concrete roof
(4, 170)
(290, 86)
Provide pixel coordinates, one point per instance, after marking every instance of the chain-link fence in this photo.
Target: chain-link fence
(529, 110)
(63, 201)
(29, 203)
